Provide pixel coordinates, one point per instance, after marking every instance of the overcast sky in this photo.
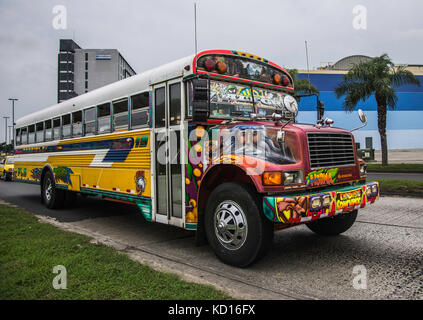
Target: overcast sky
(150, 33)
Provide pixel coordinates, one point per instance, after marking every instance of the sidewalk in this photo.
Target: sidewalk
(400, 156)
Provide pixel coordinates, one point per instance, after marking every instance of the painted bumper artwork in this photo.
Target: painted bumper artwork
(308, 207)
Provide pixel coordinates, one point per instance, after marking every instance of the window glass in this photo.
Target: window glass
(31, 134)
(56, 129)
(89, 119)
(159, 108)
(66, 126)
(77, 124)
(48, 128)
(18, 137)
(120, 114)
(103, 116)
(175, 104)
(24, 135)
(267, 101)
(140, 108)
(39, 132)
(230, 100)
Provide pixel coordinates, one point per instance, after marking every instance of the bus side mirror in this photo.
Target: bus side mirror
(200, 100)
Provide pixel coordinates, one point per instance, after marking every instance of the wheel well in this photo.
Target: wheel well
(218, 175)
(43, 173)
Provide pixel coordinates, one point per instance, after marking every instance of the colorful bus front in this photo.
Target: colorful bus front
(253, 169)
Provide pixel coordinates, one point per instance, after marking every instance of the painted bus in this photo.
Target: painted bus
(209, 143)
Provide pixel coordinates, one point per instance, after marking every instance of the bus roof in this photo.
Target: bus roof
(116, 90)
(126, 87)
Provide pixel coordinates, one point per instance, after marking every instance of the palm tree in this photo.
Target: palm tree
(375, 77)
(302, 86)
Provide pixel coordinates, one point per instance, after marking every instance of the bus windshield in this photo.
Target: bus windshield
(229, 100)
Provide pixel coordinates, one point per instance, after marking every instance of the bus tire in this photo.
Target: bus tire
(236, 229)
(52, 197)
(335, 225)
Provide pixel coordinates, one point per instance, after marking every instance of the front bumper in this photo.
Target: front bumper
(299, 208)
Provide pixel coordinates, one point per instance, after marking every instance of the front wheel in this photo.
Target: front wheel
(235, 226)
(334, 225)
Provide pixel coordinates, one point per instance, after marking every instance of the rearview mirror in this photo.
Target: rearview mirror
(363, 119)
(362, 116)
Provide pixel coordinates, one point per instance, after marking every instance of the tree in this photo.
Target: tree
(375, 77)
(302, 86)
(6, 148)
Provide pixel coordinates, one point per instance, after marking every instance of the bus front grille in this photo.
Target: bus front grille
(330, 149)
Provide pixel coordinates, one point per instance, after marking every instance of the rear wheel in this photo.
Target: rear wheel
(334, 225)
(235, 227)
(52, 197)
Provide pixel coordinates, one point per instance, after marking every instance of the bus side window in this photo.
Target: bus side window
(77, 124)
(89, 121)
(48, 128)
(24, 135)
(120, 115)
(175, 104)
(103, 118)
(31, 134)
(39, 128)
(18, 136)
(159, 108)
(56, 129)
(140, 109)
(66, 126)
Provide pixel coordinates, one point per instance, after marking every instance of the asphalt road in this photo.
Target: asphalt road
(387, 240)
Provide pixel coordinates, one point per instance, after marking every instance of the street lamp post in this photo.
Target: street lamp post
(10, 135)
(13, 119)
(5, 129)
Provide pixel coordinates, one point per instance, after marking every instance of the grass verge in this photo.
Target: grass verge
(29, 250)
(401, 187)
(401, 167)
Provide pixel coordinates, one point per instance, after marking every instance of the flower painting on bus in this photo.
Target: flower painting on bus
(63, 174)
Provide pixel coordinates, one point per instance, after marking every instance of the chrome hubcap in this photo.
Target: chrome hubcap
(230, 225)
(49, 190)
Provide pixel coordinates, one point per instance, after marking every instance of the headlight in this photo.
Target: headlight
(374, 189)
(326, 201)
(369, 192)
(316, 203)
(293, 177)
(363, 169)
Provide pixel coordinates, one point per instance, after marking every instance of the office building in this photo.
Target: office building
(82, 70)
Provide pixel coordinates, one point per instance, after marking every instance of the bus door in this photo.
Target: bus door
(167, 175)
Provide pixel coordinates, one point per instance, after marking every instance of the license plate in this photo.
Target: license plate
(348, 199)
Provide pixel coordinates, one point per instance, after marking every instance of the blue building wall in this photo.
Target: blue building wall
(404, 124)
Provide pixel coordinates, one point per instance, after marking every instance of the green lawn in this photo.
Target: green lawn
(401, 167)
(29, 250)
(401, 186)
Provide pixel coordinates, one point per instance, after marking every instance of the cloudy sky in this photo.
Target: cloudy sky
(150, 33)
